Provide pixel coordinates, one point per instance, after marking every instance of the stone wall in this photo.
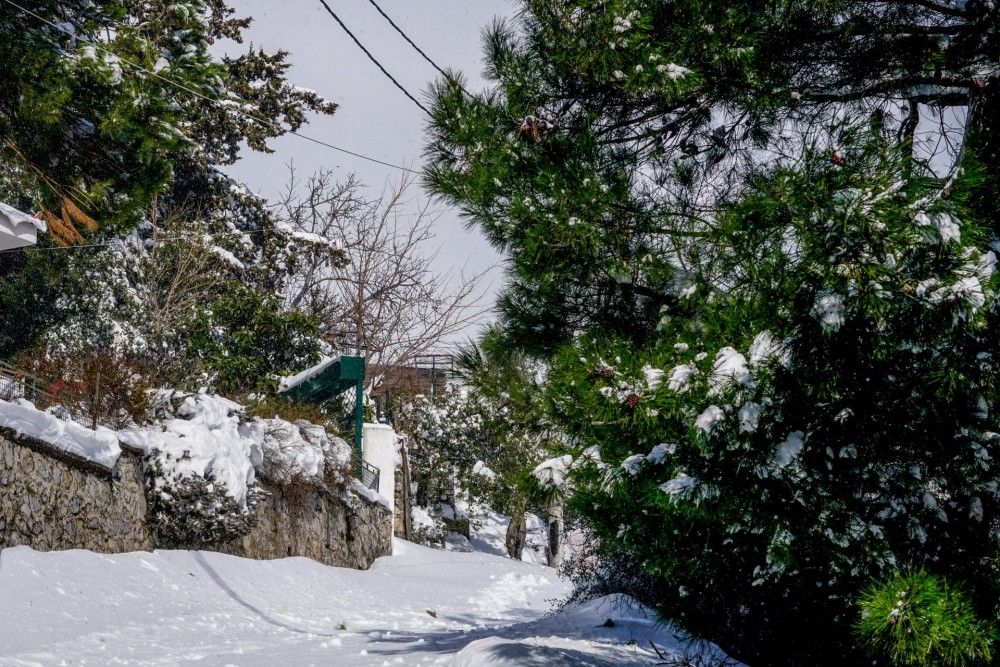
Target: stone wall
(304, 520)
(52, 500)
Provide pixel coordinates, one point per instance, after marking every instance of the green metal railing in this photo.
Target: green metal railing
(330, 381)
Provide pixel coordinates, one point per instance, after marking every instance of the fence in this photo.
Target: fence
(370, 475)
(15, 384)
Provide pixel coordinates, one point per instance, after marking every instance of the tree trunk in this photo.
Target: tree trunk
(517, 535)
(407, 504)
(555, 520)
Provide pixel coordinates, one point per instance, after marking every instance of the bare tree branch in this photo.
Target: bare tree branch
(388, 303)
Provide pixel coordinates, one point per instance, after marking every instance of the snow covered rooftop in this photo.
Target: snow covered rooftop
(290, 381)
(18, 229)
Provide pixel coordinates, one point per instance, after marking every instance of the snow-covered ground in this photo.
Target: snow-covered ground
(419, 606)
(488, 533)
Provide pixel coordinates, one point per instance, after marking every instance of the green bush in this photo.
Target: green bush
(769, 326)
(194, 511)
(918, 620)
(331, 416)
(244, 341)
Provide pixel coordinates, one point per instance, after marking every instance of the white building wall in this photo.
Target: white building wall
(379, 443)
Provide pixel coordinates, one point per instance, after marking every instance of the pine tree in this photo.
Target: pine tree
(768, 299)
(85, 127)
(519, 431)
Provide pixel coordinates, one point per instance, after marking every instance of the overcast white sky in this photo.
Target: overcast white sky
(374, 117)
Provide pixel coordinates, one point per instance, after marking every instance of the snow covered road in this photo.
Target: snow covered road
(420, 606)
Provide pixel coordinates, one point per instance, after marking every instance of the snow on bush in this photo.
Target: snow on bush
(300, 449)
(191, 510)
(207, 435)
(199, 435)
(830, 311)
(203, 454)
(427, 529)
(552, 473)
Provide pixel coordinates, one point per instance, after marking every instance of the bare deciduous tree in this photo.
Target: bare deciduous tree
(177, 276)
(388, 303)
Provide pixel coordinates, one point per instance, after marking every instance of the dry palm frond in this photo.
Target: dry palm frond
(67, 225)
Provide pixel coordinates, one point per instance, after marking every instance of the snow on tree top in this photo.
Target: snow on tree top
(707, 419)
(730, 366)
(789, 449)
(551, 473)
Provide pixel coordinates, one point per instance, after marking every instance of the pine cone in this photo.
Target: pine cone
(530, 129)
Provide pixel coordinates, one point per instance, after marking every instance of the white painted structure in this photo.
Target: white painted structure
(379, 443)
(18, 229)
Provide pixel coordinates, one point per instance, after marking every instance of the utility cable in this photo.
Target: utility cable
(219, 103)
(414, 45)
(372, 58)
(406, 37)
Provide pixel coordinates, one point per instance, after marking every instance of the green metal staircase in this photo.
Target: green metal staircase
(328, 382)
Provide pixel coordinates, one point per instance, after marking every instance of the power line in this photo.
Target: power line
(191, 91)
(154, 240)
(406, 37)
(413, 44)
(372, 58)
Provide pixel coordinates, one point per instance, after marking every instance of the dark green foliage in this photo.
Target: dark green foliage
(243, 341)
(82, 121)
(194, 511)
(607, 117)
(520, 432)
(129, 148)
(769, 310)
(484, 438)
(30, 283)
(858, 443)
(919, 620)
(78, 121)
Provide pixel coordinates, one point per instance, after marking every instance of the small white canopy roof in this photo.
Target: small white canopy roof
(18, 229)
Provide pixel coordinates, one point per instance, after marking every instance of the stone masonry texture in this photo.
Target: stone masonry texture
(50, 500)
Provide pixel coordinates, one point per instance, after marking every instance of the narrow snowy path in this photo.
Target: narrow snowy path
(420, 606)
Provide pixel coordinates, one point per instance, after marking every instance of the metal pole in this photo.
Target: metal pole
(359, 420)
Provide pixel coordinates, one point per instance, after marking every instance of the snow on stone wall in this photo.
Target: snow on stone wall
(51, 499)
(342, 530)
